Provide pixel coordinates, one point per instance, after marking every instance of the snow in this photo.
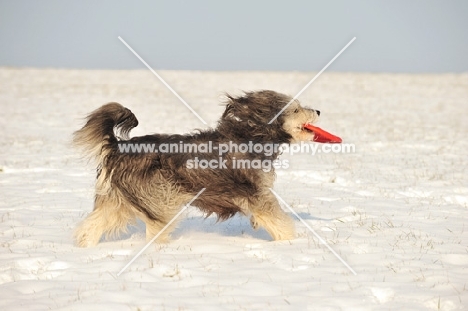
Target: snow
(395, 210)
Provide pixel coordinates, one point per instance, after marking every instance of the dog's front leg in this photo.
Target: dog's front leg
(267, 213)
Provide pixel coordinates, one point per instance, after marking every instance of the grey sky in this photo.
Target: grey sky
(392, 36)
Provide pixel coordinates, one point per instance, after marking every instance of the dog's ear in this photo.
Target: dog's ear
(247, 117)
(232, 111)
(254, 107)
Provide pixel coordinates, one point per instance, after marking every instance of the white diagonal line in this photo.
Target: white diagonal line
(162, 80)
(311, 81)
(162, 230)
(313, 231)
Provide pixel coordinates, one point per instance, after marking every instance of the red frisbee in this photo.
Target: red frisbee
(322, 136)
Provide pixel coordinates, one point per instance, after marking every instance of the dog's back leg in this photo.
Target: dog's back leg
(110, 217)
(154, 227)
(267, 213)
(168, 201)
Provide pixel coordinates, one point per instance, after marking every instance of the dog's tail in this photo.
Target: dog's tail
(104, 126)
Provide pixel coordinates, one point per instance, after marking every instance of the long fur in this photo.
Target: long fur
(155, 186)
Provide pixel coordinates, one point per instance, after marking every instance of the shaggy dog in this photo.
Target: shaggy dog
(155, 186)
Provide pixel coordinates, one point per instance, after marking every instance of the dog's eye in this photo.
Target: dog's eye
(296, 110)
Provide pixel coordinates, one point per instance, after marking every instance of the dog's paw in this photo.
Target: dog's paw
(84, 241)
(280, 228)
(284, 231)
(162, 239)
(288, 235)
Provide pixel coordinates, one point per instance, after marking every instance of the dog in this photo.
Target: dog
(155, 186)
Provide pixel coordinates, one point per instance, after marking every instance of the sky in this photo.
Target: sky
(391, 36)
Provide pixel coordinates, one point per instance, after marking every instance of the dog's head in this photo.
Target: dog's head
(247, 117)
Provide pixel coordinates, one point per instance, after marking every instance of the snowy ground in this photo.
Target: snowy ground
(396, 210)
